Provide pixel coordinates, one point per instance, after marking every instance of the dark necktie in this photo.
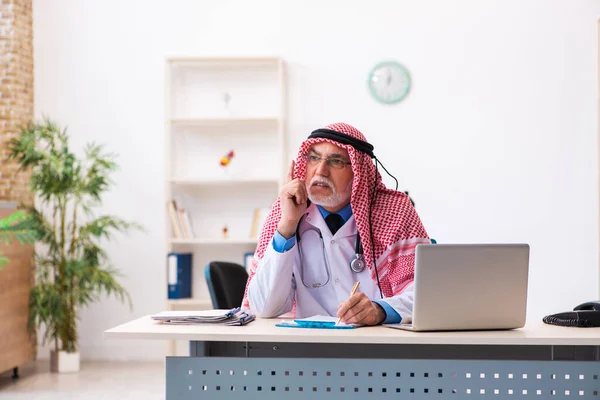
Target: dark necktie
(334, 222)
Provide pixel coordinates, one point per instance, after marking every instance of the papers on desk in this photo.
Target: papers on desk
(221, 317)
(317, 322)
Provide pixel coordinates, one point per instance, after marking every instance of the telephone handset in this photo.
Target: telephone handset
(590, 305)
(585, 315)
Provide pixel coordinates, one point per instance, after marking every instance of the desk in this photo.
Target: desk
(263, 361)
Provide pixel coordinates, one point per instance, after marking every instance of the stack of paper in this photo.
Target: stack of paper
(223, 317)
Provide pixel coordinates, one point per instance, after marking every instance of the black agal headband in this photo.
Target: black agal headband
(342, 138)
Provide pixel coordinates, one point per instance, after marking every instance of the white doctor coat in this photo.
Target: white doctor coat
(281, 277)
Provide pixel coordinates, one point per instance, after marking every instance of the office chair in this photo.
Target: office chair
(226, 283)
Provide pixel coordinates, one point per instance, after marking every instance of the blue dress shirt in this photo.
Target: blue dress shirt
(281, 244)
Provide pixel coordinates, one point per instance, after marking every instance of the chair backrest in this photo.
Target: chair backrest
(226, 283)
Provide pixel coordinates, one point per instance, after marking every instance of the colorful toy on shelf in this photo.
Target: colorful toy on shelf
(225, 232)
(226, 159)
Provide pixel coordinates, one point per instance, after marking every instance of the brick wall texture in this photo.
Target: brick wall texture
(16, 91)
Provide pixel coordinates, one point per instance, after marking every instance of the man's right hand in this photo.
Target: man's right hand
(293, 196)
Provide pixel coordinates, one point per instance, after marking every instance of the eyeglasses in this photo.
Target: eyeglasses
(334, 163)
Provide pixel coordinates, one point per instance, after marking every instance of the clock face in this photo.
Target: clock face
(389, 82)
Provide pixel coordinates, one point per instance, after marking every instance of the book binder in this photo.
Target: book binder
(179, 279)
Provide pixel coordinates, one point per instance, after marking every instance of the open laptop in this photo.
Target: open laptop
(469, 287)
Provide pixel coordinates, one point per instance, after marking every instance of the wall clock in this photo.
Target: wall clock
(389, 82)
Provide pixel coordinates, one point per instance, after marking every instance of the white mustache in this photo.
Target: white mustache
(322, 181)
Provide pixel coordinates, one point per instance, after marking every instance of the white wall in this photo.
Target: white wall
(496, 142)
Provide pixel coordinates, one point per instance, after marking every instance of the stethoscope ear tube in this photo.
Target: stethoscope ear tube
(358, 264)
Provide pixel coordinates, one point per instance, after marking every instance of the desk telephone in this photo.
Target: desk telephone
(585, 315)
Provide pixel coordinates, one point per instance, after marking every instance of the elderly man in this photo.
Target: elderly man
(334, 224)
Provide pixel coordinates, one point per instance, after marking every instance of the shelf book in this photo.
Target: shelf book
(181, 224)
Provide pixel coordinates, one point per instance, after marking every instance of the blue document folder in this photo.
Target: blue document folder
(317, 322)
(179, 275)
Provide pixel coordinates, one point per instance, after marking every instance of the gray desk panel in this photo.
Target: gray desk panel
(378, 351)
(230, 378)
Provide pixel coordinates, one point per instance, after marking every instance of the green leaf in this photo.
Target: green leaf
(19, 225)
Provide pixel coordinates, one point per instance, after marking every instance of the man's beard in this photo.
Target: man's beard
(335, 199)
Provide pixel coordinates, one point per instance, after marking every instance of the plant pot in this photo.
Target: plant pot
(63, 362)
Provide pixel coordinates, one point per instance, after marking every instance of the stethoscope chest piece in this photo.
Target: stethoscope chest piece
(358, 264)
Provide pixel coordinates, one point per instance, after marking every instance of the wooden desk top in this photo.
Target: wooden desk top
(264, 330)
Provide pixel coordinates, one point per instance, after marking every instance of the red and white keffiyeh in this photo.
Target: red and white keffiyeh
(396, 227)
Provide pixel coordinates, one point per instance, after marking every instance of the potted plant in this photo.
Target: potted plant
(72, 268)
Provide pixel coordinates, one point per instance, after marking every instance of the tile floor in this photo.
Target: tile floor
(97, 380)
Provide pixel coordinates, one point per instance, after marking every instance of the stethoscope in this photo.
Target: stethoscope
(357, 264)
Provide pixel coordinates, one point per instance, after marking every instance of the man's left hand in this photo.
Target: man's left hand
(358, 309)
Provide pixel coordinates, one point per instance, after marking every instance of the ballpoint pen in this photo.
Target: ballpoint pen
(351, 294)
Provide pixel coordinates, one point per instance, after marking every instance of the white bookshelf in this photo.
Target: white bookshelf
(210, 122)
(201, 127)
(214, 241)
(222, 182)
